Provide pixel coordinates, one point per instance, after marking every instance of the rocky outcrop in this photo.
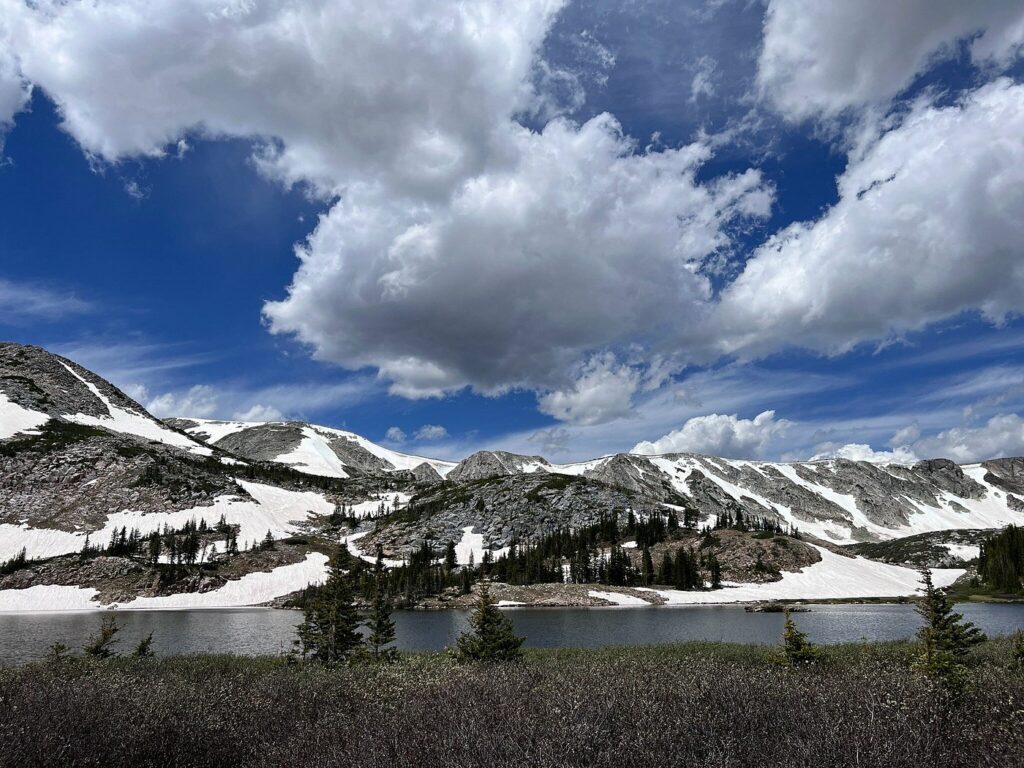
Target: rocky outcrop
(70, 477)
(503, 510)
(484, 464)
(40, 381)
(1007, 474)
(264, 442)
(425, 473)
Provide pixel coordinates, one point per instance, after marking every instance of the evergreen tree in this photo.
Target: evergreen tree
(101, 645)
(382, 628)
(795, 645)
(491, 637)
(144, 650)
(945, 637)
(715, 569)
(268, 542)
(329, 631)
(1017, 652)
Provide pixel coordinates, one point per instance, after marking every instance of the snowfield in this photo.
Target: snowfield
(835, 577)
(14, 419)
(131, 423)
(251, 589)
(275, 509)
(314, 455)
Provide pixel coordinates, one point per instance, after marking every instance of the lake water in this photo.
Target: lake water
(26, 636)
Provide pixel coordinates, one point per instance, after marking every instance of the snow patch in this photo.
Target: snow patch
(835, 577)
(132, 423)
(618, 598)
(14, 419)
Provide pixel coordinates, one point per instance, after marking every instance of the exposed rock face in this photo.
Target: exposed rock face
(1007, 474)
(71, 477)
(424, 473)
(352, 454)
(40, 381)
(503, 509)
(262, 443)
(635, 474)
(484, 464)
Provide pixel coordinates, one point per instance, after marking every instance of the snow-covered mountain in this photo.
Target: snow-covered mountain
(309, 448)
(80, 460)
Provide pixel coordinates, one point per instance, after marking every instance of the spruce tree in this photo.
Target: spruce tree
(329, 632)
(945, 637)
(491, 637)
(382, 628)
(101, 645)
(144, 649)
(795, 645)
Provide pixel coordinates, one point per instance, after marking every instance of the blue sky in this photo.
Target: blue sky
(765, 230)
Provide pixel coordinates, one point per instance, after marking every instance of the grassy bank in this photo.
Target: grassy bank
(688, 705)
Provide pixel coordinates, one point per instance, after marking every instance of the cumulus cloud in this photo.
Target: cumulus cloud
(498, 287)
(395, 435)
(927, 225)
(1002, 435)
(603, 391)
(431, 432)
(820, 58)
(464, 249)
(259, 412)
(720, 435)
(198, 402)
(864, 452)
(409, 94)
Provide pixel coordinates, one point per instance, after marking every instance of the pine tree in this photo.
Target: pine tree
(101, 645)
(945, 636)
(491, 637)
(382, 628)
(795, 645)
(329, 631)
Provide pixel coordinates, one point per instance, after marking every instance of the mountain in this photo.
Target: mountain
(81, 462)
(309, 448)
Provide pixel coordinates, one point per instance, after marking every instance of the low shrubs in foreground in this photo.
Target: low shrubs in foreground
(687, 705)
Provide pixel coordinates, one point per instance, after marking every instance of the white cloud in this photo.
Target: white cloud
(703, 84)
(24, 302)
(720, 435)
(863, 452)
(603, 391)
(198, 402)
(497, 287)
(820, 58)
(258, 412)
(407, 93)
(928, 225)
(905, 436)
(395, 435)
(1001, 435)
(463, 249)
(431, 432)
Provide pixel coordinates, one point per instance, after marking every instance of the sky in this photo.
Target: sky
(771, 230)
